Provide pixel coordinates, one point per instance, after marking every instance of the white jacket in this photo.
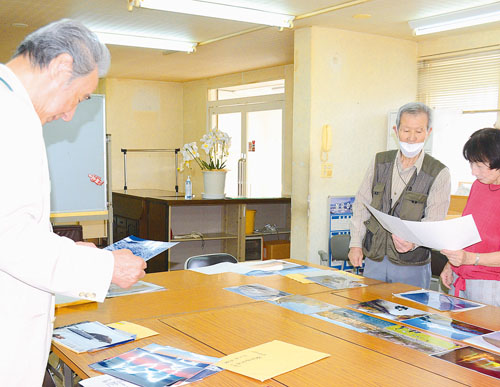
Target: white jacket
(35, 263)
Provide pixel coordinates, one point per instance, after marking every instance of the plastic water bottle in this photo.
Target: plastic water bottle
(189, 189)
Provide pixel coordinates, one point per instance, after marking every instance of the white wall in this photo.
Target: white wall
(348, 80)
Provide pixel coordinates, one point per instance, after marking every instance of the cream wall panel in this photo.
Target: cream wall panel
(144, 114)
(465, 41)
(354, 80)
(302, 106)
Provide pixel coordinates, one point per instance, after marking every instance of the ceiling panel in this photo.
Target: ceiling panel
(262, 48)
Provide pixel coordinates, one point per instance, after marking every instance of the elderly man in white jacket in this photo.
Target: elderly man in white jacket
(53, 70)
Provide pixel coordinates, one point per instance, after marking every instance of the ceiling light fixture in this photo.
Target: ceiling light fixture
(454, 20)
(221, 11)
(146, 42)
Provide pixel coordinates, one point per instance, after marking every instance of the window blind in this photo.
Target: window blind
(466, 82)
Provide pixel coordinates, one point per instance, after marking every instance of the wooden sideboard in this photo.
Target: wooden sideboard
(200, 226)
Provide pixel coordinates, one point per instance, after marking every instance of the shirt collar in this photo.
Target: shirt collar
(418, 163)
(8, 75)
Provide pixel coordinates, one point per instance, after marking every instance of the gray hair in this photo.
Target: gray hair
(415, 108)
(66, 37)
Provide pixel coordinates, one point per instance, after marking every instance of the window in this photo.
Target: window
(463, 90)
(252, 115)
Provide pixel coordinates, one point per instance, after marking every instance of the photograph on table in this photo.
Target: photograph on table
(274, 267)
(336, 281)
(353, 320)
(439, 301)
(388, 310)
(413, 339)
(487, 363)
(302, 304)
(88, 336)
(186, 355)
(145, 368)
(258, 292)
(138, 287)
(445, 326)
(489, 341)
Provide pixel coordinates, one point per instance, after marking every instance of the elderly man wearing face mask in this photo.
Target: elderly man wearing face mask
(406, 183)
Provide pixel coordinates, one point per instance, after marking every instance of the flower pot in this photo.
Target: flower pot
(214, 183)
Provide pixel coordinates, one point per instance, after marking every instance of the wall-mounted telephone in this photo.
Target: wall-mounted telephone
(326, 142)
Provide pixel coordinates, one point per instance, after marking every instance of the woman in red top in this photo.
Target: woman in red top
(475, 271)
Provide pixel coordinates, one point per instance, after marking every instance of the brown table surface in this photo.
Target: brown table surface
(195, 313)
(186, 291)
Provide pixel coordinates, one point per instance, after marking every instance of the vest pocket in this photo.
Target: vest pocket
(377, 195)
(373, 243)
(412, 206)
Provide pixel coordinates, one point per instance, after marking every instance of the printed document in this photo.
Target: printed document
(453, 234)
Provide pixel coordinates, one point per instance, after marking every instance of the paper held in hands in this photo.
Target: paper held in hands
(453, 234)
(143, 248)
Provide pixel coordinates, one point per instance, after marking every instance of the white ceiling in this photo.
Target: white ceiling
(264, 47)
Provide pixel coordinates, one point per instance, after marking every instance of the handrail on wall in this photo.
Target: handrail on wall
(175, 150)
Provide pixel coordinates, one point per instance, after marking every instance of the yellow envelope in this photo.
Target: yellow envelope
(269, 360)
(138, 330)
(301, 278)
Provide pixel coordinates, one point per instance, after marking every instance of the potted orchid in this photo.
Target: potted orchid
(216, 145)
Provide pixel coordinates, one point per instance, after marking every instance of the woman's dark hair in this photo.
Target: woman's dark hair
(484, 147)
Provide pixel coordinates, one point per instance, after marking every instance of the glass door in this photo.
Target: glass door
(255, 125)
(264, 130)
(231, 124)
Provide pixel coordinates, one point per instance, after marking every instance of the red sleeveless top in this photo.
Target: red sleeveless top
(484, 206)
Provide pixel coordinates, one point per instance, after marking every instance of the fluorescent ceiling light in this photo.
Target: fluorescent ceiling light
(459, 19)
(142, 41)
(221, 11)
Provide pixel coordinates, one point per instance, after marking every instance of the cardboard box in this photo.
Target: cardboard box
(276, 249)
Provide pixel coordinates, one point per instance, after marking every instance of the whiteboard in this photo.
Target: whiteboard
(76, 153)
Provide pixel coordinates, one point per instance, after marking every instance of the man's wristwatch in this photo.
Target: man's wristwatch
(477, 259)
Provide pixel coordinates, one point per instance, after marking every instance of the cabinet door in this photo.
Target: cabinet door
(119, 227)
(132, 227)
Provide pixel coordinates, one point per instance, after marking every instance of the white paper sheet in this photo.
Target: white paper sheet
(244, 267)
(453, 234)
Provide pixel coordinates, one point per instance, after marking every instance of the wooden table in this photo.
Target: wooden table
(198, 315)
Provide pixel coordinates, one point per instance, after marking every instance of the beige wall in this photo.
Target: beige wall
(195, 112)
(144, 114)
(350, 81)
(456, 43)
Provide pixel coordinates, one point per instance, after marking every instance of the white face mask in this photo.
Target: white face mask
(411, 150)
